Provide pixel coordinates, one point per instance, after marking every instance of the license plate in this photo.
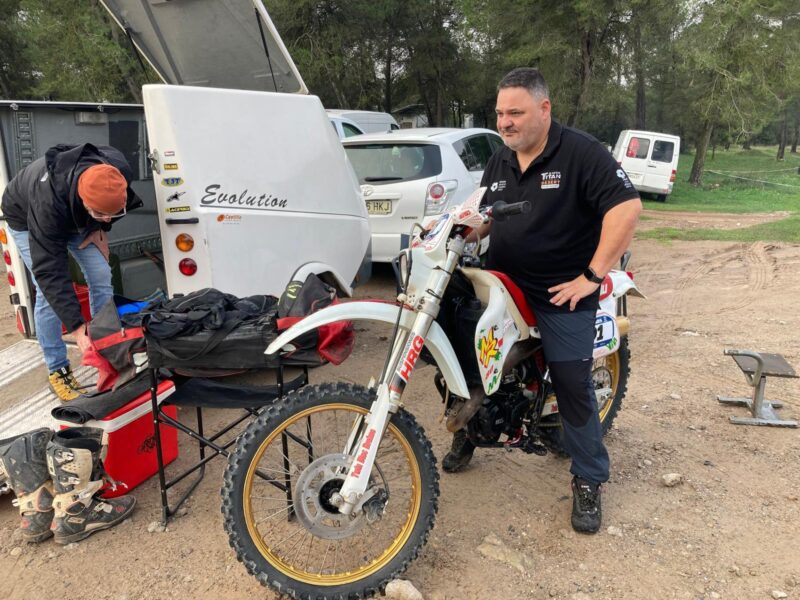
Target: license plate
(379, 207)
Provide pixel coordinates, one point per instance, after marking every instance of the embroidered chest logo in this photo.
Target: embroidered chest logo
(498, 186)
(551, 180)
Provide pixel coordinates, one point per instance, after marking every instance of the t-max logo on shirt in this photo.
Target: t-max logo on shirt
(551, 180)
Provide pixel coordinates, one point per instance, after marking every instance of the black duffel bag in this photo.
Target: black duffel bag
(211, 330)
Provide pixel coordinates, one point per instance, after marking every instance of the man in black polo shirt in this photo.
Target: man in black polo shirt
(583, 213)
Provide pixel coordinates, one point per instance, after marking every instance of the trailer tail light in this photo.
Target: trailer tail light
(7, 257)
(188, 267)
(11, 281)
(672, 177)
(3, 237)
(437, 196)
(184, 242)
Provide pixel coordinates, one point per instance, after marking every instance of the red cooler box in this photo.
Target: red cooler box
(131, 457)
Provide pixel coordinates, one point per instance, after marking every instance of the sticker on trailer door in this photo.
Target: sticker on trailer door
(172, 181)
(606, 334)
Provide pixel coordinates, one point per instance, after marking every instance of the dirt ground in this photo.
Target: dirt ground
(730, 530)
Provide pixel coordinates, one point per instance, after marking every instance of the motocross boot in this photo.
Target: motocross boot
(24, 467)
(74, 459)
(461, 451)
(587, 511)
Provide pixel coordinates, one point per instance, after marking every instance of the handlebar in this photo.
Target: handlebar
(501, 210)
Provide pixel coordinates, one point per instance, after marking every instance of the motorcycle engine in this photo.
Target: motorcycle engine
(502, 412)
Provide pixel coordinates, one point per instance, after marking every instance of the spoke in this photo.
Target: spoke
(270, 498)
(308, 556)
(296, 544)
(325, 557)
(288, 537)
(276, 513)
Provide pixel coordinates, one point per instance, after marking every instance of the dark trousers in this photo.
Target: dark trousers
(568, 342)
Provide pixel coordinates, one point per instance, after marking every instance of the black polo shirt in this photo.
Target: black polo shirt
(570, 186)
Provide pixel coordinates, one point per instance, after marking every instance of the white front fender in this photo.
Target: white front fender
(437, 341)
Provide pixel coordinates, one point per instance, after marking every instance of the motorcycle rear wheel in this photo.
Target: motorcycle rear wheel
(295, 541)
(610, 378)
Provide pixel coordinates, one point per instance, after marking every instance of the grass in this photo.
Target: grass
(720, 193)
(785, 230)
(761, 185)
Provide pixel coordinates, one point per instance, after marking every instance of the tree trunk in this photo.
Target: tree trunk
(796, 132)
(783, 135)
(585, 78)
(387, 76)
(746, 143)
(696, 177)
(638, 68)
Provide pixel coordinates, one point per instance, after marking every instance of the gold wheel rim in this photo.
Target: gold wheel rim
(373, 566)
(612, 364)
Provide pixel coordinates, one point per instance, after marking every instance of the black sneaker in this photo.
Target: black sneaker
(461, 451)
(586, 510)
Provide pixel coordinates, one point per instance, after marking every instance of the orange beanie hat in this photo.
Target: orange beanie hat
(103, 189)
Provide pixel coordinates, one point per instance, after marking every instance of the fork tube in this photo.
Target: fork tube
(388, 400)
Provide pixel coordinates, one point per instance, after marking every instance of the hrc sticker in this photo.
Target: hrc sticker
(172, 181)
(171, 166)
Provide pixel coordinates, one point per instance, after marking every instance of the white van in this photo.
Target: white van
(650, 159)
(369, 121)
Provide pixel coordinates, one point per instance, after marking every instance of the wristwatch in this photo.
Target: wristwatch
(592, 276)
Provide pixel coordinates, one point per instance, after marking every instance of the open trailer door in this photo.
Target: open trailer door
(209, 43)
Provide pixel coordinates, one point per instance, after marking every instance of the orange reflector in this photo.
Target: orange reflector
(187, 266)
(11, 281)
(3, 237)
(184, 242)
(7, 257)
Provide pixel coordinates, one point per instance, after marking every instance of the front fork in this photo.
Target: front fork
(367, 433)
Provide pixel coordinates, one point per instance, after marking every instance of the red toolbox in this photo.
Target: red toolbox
(131, 457)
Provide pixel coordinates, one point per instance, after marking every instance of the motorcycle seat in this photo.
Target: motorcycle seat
(518, 296)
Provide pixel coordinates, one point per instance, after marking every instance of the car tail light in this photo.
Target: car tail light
(3, 237)
(184, 242)
(7, 257)
(11, 281)
(437, 196)
(187, 266)
(672, 177)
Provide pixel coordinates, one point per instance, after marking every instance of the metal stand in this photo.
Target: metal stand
(756, 368)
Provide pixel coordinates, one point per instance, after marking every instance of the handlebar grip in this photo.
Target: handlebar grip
(501, 210)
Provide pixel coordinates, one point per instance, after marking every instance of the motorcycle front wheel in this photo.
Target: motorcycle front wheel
(278, 486)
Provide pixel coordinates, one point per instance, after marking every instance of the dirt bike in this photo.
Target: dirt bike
(332, 492)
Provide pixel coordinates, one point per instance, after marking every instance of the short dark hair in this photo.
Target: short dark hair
(526, 77)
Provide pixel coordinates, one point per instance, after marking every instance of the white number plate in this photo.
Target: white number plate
(379, 207)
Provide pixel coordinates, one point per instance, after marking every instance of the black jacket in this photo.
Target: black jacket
(43, 200)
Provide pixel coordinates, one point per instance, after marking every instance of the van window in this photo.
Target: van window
(638, 147)
(349, 130)
(390, 163)
(663, 151)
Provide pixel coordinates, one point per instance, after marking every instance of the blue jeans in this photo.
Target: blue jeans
(97, 273)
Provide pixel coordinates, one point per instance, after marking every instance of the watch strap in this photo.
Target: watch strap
(592, 276)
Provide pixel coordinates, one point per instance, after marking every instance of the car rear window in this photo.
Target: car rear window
(663, 151)
(389, 163)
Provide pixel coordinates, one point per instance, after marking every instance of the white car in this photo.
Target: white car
(412, 175)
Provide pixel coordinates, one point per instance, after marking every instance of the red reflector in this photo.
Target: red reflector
(629, 274)
(11, 281)
(436, 191)
(7, 257)
(187, 266)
